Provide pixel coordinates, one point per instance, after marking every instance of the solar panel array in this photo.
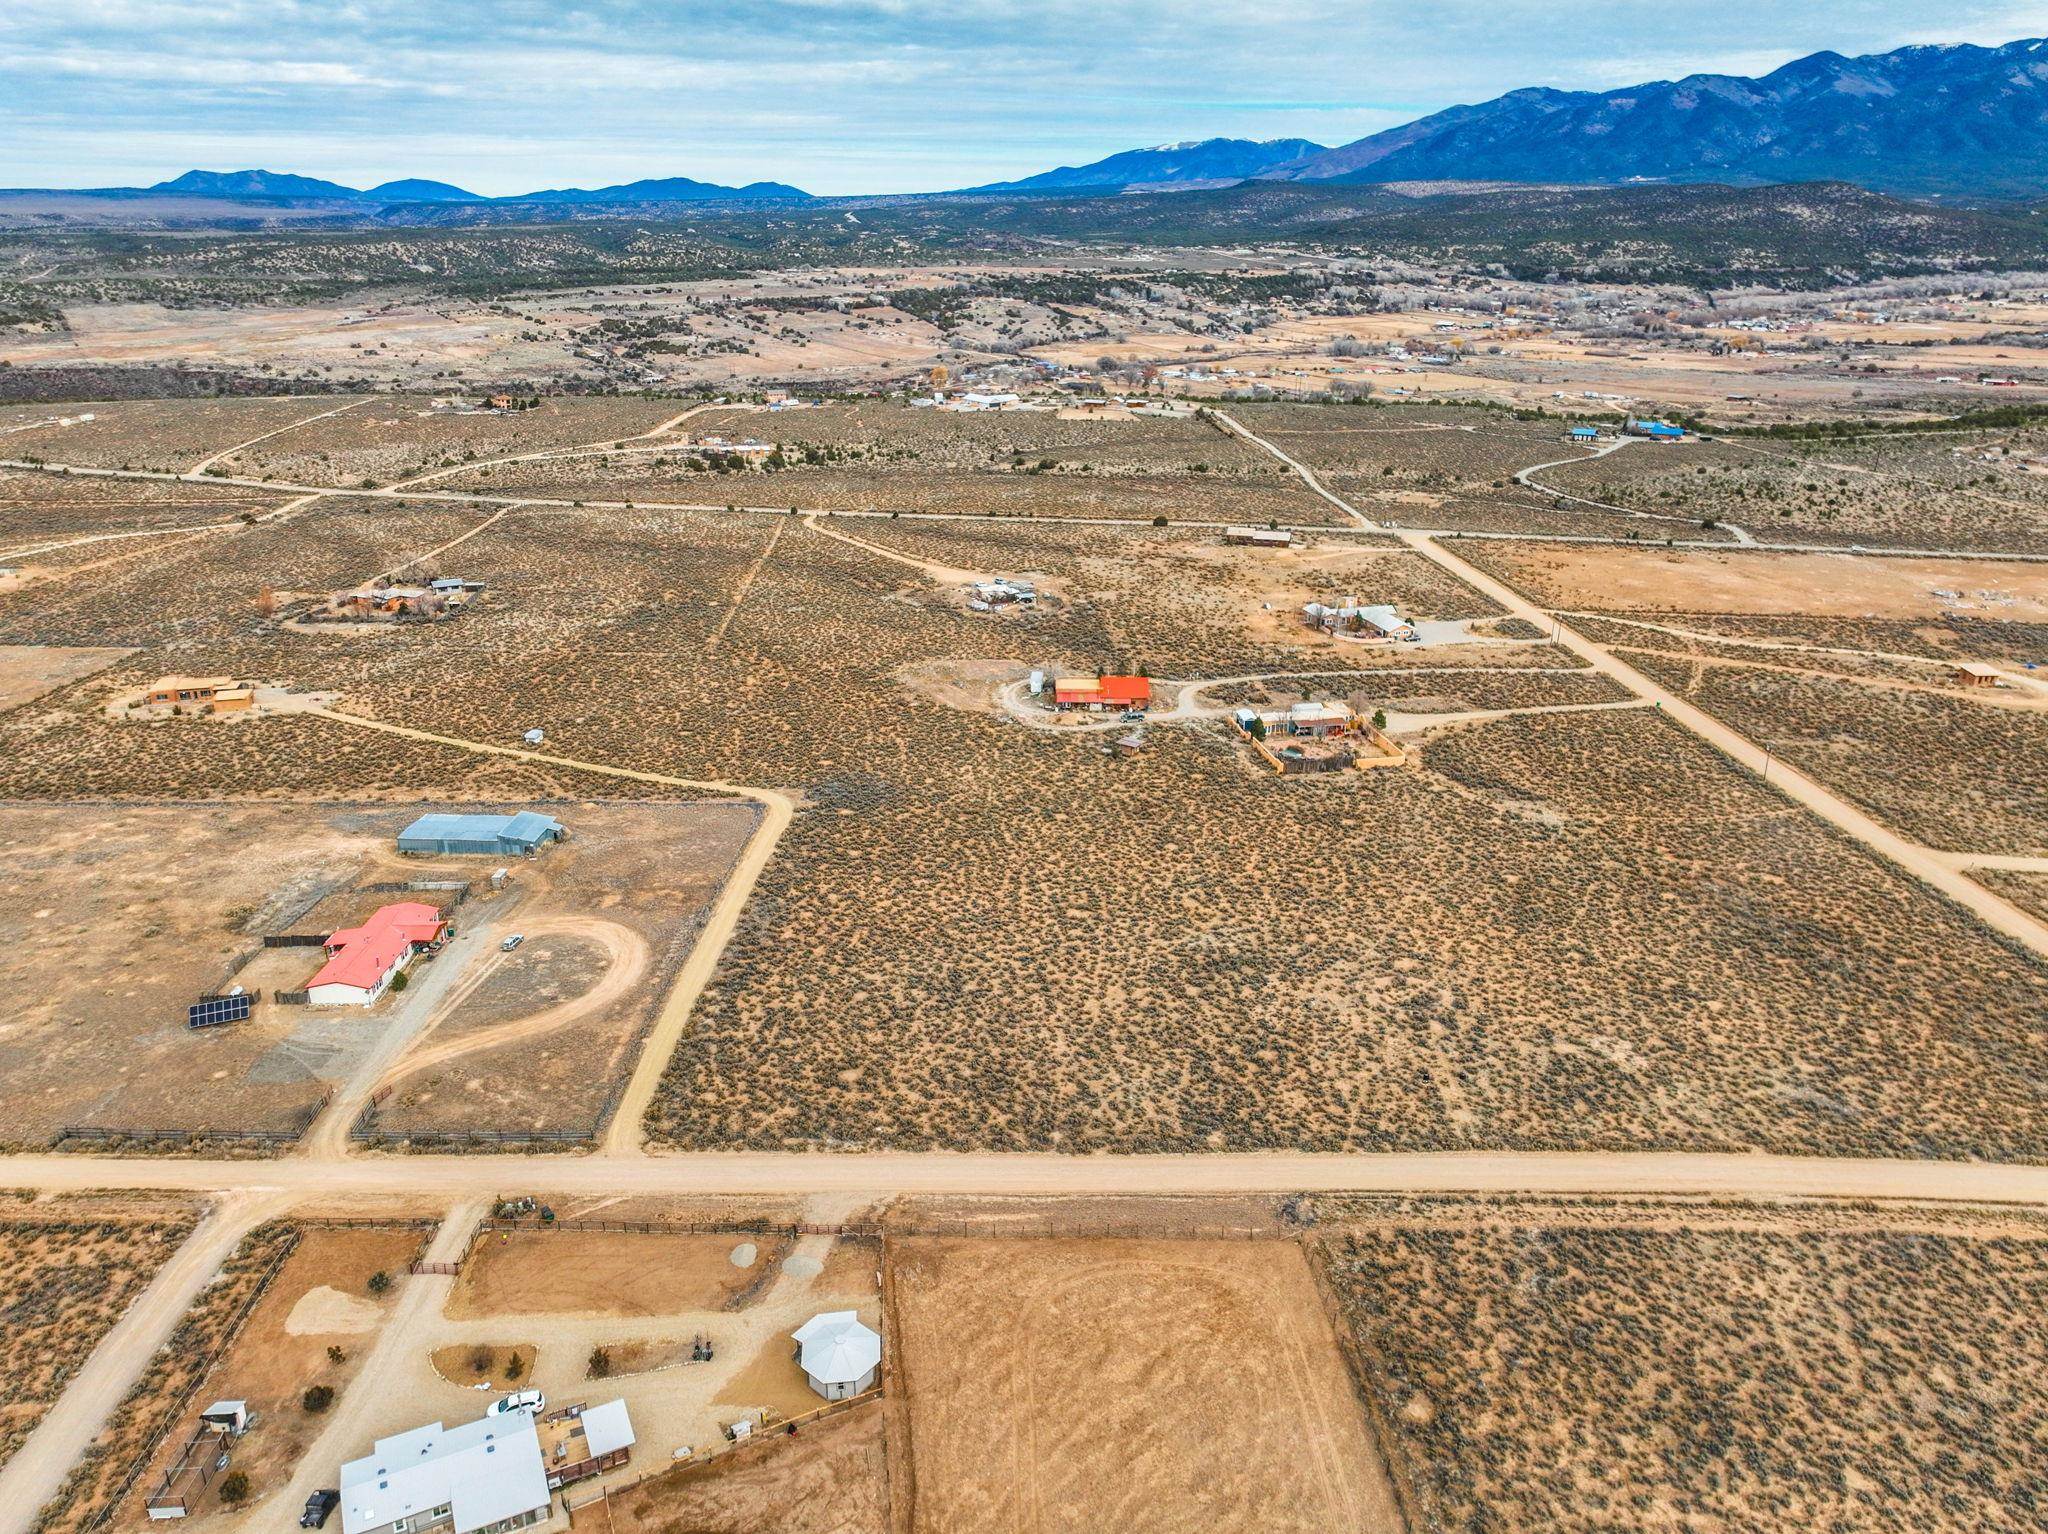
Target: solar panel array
(215, 1010)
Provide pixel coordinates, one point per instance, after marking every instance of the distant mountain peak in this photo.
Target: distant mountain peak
(670, 189)
(1926, 119)
(1191, 162)
(414, 189)
(252, 183)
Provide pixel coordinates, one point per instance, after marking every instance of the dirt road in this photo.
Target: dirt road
(38, 1468)
(625, 960)
(882, 1173)
(1307, 475)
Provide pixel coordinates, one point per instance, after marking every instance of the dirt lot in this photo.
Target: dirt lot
(319, 1301)
(1685, 1367)
(606, 1274)
(831, 1478)
(126, 914)
(1144, 1385)
(29, 671)
(68, 1269)
(1630, 580)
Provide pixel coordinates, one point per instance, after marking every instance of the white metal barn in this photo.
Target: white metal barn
(839, 1356)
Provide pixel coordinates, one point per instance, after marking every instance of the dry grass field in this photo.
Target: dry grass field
(169, 436)
(1841, 666)
(27, 672)
(1945, 489)
(1950, 771)
(1688, 1367)
(2028, 891)
(1155, 1386)
(38, 509)
(872, 455)
(1638, 879)
(1627, 580)
(618, 1274)
(1181, 604)
(394, 437)
(1695, 961)
(69, 1268)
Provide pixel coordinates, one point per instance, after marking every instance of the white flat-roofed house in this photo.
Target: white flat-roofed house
(484, 1477)
(1318, 719)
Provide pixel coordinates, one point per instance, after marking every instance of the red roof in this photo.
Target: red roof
(362, 956)
(1123, 690)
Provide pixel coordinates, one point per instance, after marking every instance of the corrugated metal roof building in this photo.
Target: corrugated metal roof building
(495, 836)
(484, 1477)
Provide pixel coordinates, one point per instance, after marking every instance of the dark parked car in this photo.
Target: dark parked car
(318, 1506)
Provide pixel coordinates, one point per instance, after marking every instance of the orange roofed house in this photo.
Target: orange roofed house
(1102, 692)
(361, 961)
(216, 694)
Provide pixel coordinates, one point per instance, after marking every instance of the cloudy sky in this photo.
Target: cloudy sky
(836, 96)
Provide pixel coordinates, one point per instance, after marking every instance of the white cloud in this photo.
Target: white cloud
(838, 95)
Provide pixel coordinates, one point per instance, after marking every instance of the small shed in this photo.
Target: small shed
(607, 1429)
(519, 835)
(839, 1356)
(1973, 673)
(230, 1416)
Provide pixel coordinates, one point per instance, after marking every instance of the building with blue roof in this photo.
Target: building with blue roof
(519, 835)
(1658, 431)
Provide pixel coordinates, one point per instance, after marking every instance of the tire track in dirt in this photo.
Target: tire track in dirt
(732, 609)
(626, 961)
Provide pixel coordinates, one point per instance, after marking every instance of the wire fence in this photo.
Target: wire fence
(1262, 1226)
(106, 1134)
(782, 1427)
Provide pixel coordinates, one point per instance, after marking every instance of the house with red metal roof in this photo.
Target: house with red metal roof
(362, 961)
(1102, 692)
